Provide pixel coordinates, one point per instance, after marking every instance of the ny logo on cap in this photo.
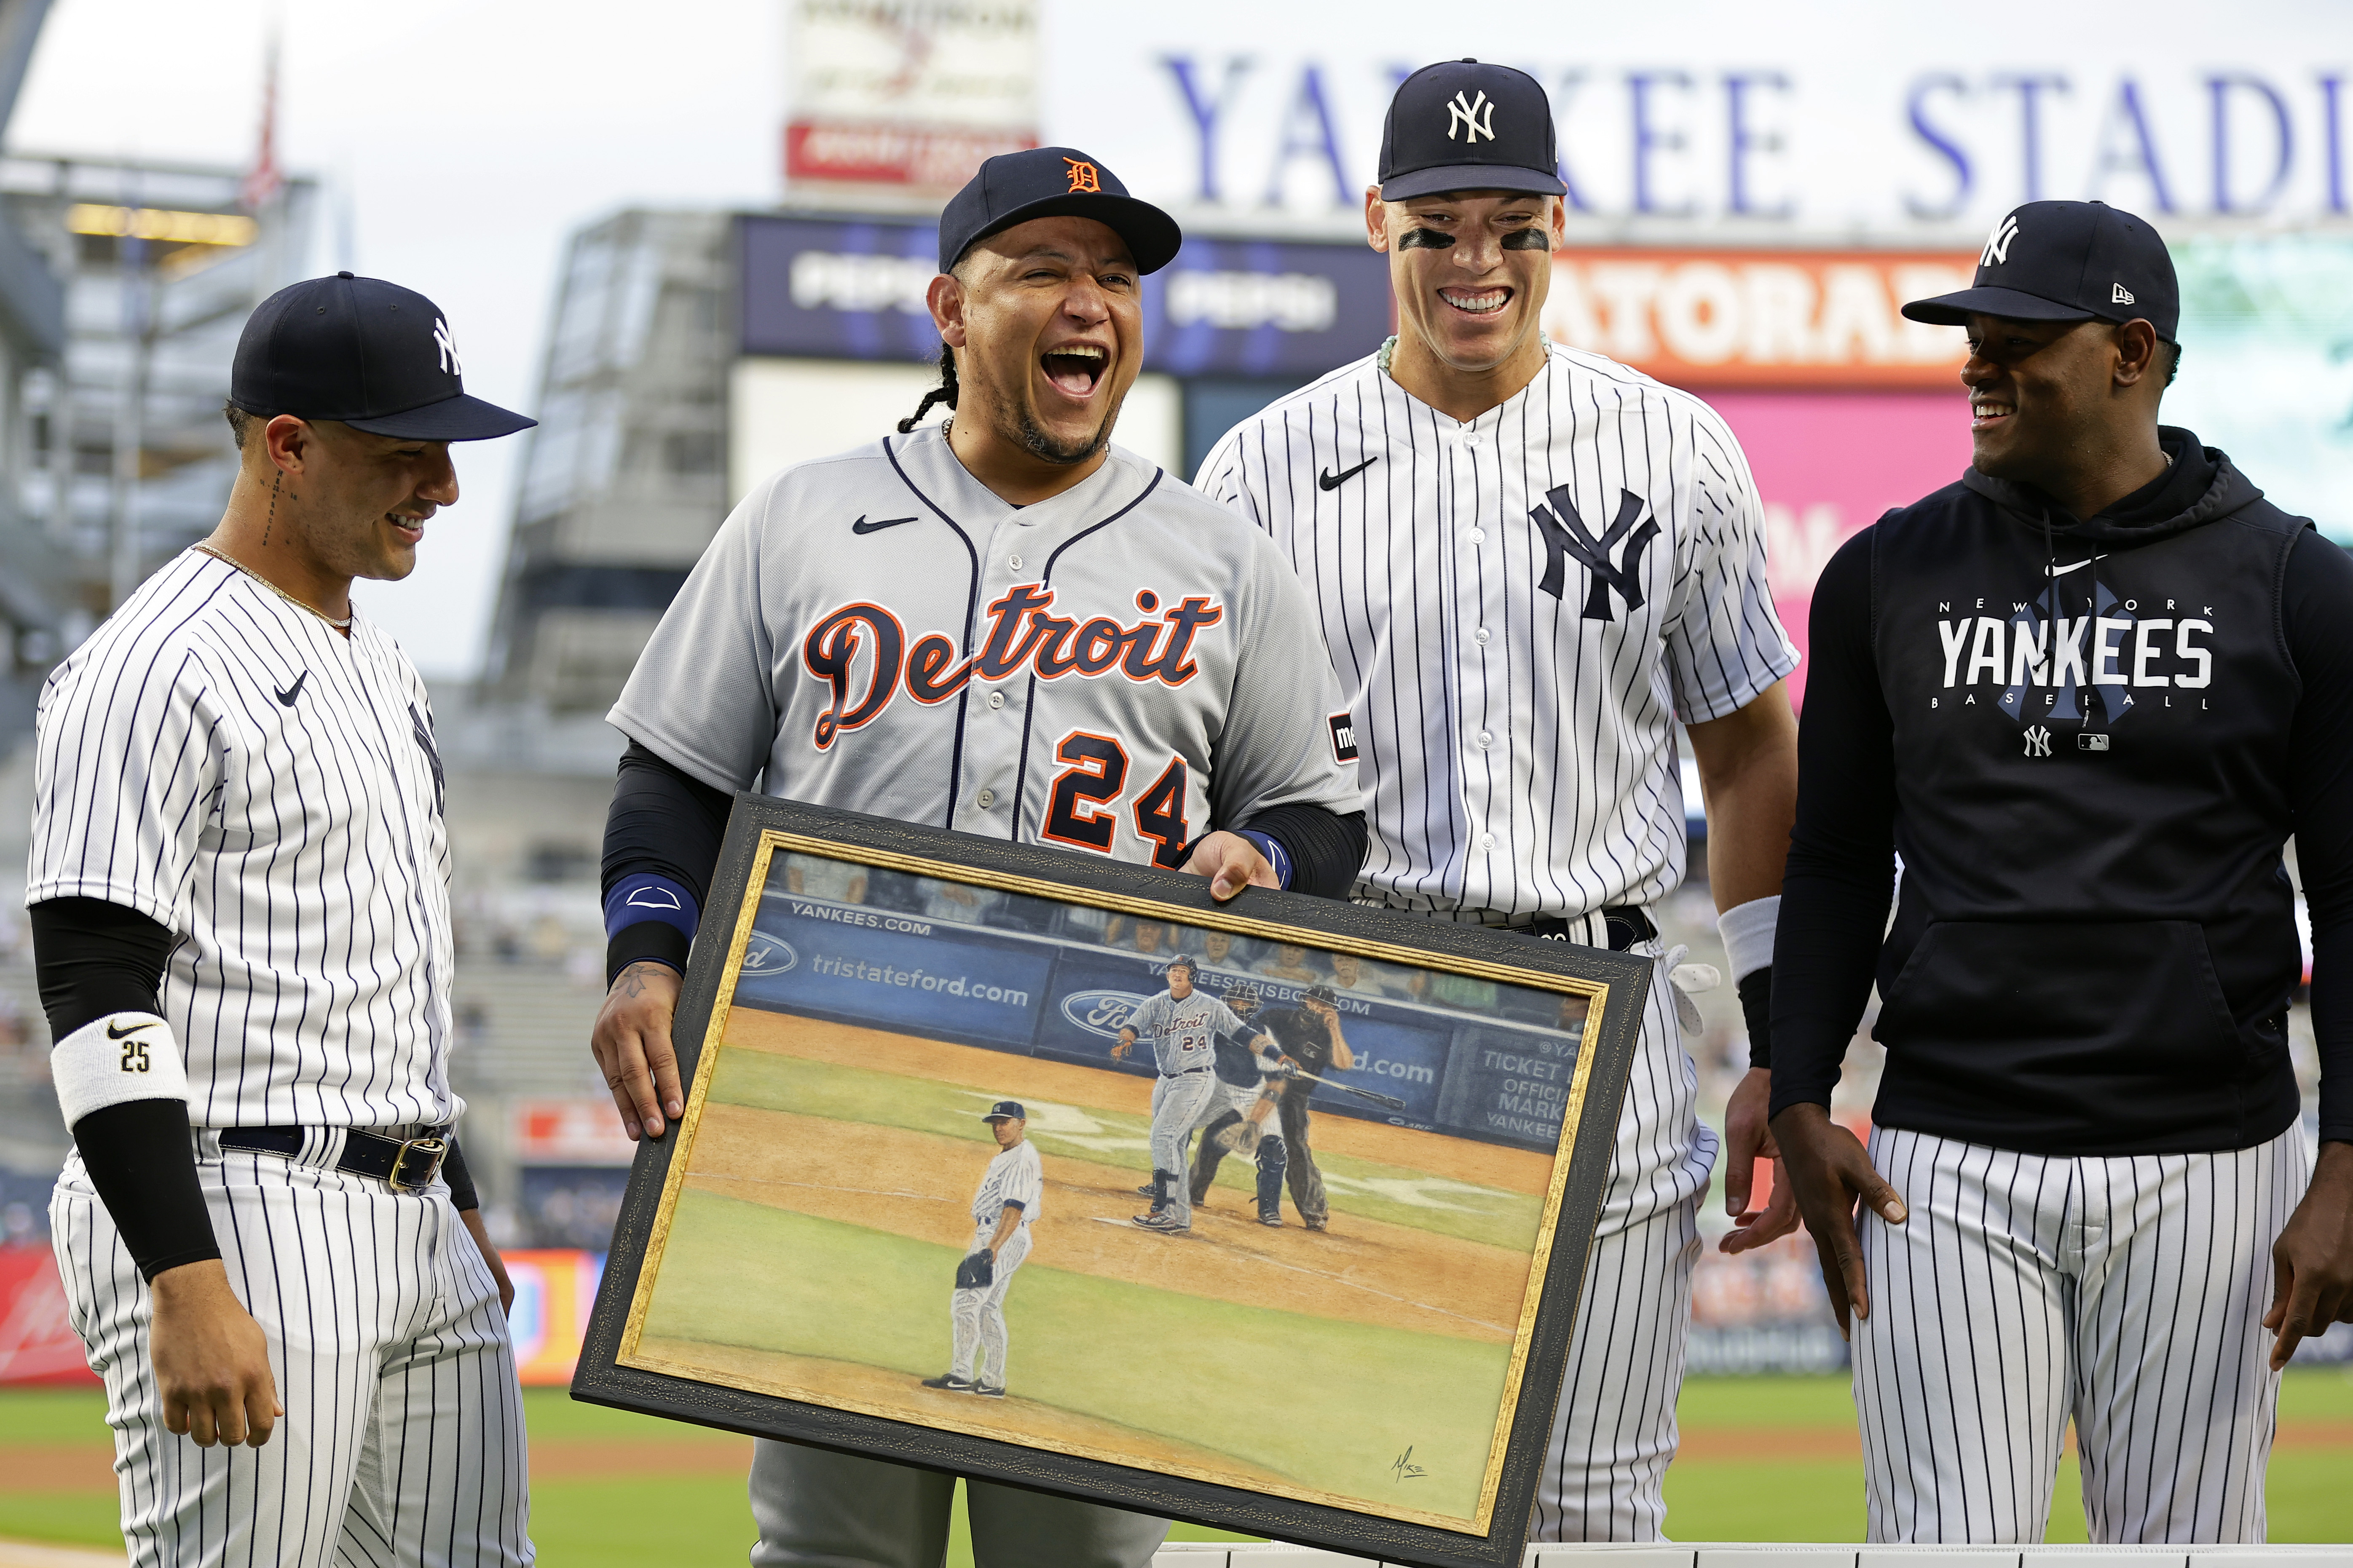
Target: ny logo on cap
(449, 347)
(1082, 178)
(1997, 249)
(1475, 118)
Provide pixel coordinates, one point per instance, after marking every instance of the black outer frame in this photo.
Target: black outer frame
(600, 1379)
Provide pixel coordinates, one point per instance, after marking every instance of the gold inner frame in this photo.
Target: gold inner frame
(774, 841)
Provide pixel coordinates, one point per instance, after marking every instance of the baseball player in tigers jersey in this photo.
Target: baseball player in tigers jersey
(1530, 563)
(240, 891)
(1011, 1191)
(1007, 626)
(1183, 1025)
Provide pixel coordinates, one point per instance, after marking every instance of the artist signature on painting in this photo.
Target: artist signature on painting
(1406, 1469)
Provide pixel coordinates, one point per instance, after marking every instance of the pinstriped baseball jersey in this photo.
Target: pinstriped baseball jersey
(1114, 669)
(229, 766)
(1519, 609)
(1014, 1176)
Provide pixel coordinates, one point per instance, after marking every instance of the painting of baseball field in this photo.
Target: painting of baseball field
(832, 1161)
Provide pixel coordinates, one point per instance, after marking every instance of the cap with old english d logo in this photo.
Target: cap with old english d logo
(368, 353)
(2066, 261)
(1460, 125)
(1054, 181)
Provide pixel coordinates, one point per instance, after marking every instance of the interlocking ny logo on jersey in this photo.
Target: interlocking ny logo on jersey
(424, 734)
(1083, 177)
(1996, 245)
(447, 345)
(1573, 538)
(1474, 118)
(1021, 632)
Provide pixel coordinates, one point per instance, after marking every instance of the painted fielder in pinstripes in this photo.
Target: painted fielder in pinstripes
(1010, 1196)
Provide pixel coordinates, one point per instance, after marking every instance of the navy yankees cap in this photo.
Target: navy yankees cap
(378, 357)
(1460, 125)
(1004, 1111)
(2066, 261)
(1054, 181)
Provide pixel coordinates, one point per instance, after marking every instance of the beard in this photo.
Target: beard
(1016, 424)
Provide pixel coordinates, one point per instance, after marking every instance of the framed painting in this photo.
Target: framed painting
(1026, 1164)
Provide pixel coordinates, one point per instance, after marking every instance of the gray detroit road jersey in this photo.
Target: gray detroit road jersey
(1117, 669)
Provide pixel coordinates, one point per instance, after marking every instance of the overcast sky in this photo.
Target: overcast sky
(465, 141)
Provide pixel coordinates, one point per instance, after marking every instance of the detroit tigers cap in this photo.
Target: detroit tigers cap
(1183, 960)
(372, 354)
(2066, 261)
(1004, 1111)
(1054, 181)
(1460, 125)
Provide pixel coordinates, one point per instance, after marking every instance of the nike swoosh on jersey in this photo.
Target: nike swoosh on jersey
(880, 523)
(114, 1034)
(2063, 571)
(1328, 480)
(286, 697)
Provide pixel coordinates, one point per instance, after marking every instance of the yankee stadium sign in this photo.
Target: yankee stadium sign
(1814, 117)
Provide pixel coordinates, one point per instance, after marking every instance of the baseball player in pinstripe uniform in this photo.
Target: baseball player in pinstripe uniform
(1007, 626)
(2087, 693)
(1530, 563)
(239, 896)
(1012, 1192)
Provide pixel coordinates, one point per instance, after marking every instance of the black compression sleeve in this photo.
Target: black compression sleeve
(2315, 609)
(1755, 989)
(1842, 870)
(1327, 849)
(665, 821)
(92, 959)
(462, 1195)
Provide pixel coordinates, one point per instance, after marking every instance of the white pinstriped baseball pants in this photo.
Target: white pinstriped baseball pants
(1613, 1431)
(403, 1439)
(2126, 1292)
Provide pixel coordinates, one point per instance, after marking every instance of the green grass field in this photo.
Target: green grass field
(746, 1274)
(700, 1521)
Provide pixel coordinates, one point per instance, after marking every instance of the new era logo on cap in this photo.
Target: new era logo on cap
(2122, 296)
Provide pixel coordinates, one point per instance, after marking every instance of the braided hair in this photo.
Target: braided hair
(946, 392)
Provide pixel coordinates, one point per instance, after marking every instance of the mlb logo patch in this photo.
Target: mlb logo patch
(1343, 737)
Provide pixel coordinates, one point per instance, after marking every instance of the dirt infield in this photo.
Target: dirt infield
(919, 1184)
(1456, 1159)
(873, 1391)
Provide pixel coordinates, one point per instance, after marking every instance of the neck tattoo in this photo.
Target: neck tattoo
(271, 520)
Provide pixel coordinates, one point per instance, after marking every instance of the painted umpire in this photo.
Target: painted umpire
(239, 892)
(2084, 695)
(1007, 626)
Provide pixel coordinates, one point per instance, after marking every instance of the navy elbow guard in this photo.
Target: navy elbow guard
(649, 916)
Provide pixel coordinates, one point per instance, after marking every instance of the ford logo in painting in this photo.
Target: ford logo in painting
(1100, 1013)
(766, 954)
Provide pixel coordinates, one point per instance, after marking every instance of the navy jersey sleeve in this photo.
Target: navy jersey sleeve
(1841, 875)
(2316, 608)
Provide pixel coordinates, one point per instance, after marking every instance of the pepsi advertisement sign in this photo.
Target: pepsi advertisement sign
(826, 288)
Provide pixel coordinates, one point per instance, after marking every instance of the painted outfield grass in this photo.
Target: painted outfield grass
(1188, 1368)
(764, 1081)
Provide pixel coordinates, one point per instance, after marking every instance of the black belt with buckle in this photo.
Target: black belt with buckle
(1185, 1072)
(1626, 923)
(405, 1164)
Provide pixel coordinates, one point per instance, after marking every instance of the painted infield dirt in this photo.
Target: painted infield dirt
(918, 1184)
(1001, 1073)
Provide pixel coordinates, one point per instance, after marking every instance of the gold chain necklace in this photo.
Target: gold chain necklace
(343, 625)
